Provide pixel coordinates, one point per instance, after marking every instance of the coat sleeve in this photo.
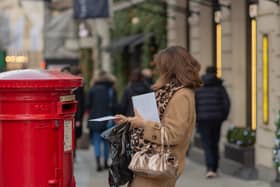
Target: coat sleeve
(80, 98)
(226, 103)
(175, 119)
(116, 106)
(124, 102)
(90, 100)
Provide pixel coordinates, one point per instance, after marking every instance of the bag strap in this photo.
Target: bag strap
(163, 134)
(164, 138)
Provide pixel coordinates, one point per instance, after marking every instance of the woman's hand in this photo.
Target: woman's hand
(120, 119)
(137, 121)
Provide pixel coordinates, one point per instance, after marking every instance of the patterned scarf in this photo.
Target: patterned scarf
(163, 96)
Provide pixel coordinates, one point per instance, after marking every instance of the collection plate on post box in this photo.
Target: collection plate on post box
(67, 135)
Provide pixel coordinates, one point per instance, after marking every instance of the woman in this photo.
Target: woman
(136, 86)
(179, 76)
(102, 101)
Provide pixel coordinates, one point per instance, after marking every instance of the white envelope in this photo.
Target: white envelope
(146, 105)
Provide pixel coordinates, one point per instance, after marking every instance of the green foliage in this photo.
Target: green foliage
(277, 123)
(152, 19)
(2, 61)
(243, 137)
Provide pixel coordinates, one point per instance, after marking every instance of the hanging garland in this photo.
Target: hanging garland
(276, 149)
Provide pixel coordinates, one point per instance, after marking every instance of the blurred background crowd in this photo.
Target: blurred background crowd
(111, 43)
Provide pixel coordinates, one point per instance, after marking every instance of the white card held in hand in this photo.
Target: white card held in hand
(106, 118)
(146, 105)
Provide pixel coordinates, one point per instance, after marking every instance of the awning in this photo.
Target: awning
(128, 41)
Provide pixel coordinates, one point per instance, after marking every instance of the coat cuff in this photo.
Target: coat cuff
(152, 131)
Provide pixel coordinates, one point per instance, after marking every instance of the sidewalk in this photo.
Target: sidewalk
(86, 176)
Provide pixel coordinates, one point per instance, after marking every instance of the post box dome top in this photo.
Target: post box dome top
(31, 78)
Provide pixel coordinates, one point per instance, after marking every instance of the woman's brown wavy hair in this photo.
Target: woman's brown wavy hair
(176, 63)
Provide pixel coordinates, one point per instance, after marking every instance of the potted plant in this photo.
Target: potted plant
(276, 153)
(240, 148)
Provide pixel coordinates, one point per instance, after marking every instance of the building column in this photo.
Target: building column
(177, 23)
(194, 30)
(267, 24)
(105, 41)
(239, 62)
(101, 29)
(206, 37)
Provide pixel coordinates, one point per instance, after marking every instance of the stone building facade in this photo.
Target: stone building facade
(249, 48)
(23, 41)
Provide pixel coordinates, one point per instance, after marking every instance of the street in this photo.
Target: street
(86, 176)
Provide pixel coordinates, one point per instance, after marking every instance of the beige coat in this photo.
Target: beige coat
(179, 119)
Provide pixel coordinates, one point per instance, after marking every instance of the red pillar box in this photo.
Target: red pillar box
(36, 128)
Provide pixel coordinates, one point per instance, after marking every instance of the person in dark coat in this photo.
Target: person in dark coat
(80, 97)
(102, 101)
(212, 108)
(79, 94)
(66, 69)
(148, 76)
(136, 86)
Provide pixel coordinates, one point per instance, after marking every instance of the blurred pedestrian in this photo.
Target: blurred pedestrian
(212, 107)
(80, 97)
(66, 69)
(179, 76)
(136, 86)
(79, 94)
(102, 101)
(148, 76)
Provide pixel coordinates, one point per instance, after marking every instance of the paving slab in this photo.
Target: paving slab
(86, 176)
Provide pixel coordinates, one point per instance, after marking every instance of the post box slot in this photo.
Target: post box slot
(66, 108)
